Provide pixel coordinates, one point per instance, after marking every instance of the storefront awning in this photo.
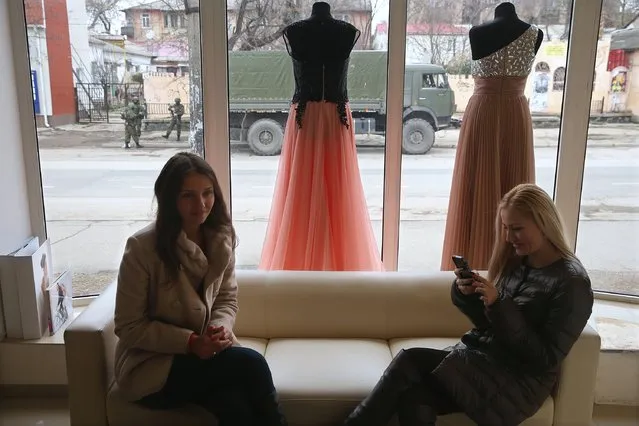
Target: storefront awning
(625, 39)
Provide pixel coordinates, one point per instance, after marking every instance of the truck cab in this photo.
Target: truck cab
(429, 104)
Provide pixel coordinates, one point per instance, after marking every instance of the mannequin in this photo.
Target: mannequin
(319, 219)
(489, 37)
(495, 148)
(320, 39)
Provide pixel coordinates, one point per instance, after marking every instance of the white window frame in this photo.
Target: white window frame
(572, 140)
(148, 20)
(22, 70)
(573, 133)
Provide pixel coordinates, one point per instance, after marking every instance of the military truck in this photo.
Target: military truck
(261, 85)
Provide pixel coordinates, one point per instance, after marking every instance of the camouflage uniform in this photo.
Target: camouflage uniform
(140, 110)
(131, 116)
(177, 111)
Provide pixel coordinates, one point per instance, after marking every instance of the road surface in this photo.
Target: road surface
(96, 197)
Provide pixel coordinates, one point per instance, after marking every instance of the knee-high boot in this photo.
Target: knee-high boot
(379, 406)
(269, 412)
(414, 408)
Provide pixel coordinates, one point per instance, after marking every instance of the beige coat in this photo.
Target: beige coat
(154, 315)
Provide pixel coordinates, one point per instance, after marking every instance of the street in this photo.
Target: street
(97, 194)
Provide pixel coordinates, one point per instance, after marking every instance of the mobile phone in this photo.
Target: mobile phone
(462, 264)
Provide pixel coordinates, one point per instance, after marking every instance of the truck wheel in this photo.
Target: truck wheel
(419, 137)
(265, 137)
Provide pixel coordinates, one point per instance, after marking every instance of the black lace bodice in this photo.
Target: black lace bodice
(320, 53)
(315, 81)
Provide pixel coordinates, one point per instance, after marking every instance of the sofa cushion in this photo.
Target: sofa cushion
(258, 345)
(346, 304)
(543, 417)
(124, 413)
(121, 412)
(325, 378)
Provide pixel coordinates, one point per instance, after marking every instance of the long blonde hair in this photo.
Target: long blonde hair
(531, 200)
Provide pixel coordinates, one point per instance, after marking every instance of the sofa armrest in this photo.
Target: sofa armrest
(575, 394)
(90, 348)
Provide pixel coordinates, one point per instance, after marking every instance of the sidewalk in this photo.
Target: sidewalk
(102, 135)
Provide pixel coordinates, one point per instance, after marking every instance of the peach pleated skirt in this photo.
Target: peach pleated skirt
(319, 220)
(495, 153)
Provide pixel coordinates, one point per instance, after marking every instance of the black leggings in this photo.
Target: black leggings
(428, 392)
(230, 385)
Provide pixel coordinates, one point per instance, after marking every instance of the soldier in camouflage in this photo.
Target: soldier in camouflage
(132, 115)
(142, 114)
(177, 111)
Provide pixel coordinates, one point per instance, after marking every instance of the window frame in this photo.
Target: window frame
(585, 16)
(214, 58)
(148, 19)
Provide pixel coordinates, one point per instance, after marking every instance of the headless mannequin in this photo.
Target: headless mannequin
(488, 38)
(320, 38)
(320, 47)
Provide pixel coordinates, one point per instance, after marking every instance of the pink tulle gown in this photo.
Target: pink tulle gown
(319, 219)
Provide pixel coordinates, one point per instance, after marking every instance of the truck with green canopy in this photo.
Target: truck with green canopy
(261, 85)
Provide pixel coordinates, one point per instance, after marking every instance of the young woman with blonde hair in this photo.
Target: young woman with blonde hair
(527, 315)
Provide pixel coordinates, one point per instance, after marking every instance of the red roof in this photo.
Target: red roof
(416, 29)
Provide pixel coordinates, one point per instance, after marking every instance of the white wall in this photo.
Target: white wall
(39, 58)
(15, 225)
(22, 212)
(79, 35)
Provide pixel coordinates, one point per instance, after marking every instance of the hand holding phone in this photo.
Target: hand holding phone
(464, 268)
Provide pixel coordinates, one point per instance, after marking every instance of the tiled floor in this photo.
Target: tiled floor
(53, 412)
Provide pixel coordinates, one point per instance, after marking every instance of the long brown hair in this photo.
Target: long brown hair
(530, 200)
(168, 224)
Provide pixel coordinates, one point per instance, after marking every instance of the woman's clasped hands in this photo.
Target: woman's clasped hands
(477, 285)
(209, 344)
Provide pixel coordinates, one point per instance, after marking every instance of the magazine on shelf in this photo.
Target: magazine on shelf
(24, 279)
(60, 296)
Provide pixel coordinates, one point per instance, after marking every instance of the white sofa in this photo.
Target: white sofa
(327, 338)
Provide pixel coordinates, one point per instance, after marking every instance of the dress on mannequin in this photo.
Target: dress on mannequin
(495, 149)
(319, 220)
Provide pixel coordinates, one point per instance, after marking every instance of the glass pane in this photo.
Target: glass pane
(261, 88)
(88, 67)
(439, 97)
(607, 241)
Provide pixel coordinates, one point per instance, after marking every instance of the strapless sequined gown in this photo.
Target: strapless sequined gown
(319, 219)
(494, 152)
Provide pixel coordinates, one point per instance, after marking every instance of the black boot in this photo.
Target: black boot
(379, 406)
(413, 408)
(269, 412)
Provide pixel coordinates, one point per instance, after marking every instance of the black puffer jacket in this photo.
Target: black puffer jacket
(505, 368)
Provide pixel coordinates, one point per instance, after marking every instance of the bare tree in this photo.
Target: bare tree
(102, 12)
(619, 13)
(259, 23)
(475, 11)
(367, 30)
(440, 37)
